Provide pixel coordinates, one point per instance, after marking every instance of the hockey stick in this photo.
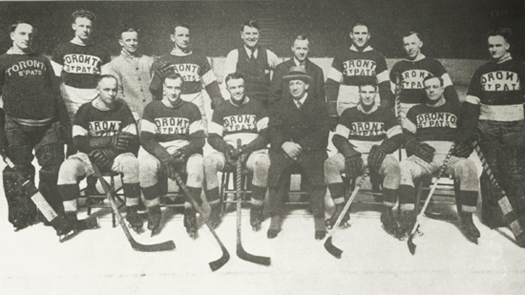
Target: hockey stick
(508, 213)
(164, 246)
(336, 252)
(410, 242)
(241, 253)
(214, 265)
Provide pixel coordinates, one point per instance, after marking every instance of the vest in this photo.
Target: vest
(256, 74)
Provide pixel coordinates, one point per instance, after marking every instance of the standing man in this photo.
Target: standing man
(300, 49)
(193, 67)
(408, 74)
(172, 138)
(79, 63)
(496, 97)
(104, 133)
(350, 68)
(298, 132)
(133, 72)
(35, 118)
(254, 62)
(366, 135)
(430, 130)
(245, 119)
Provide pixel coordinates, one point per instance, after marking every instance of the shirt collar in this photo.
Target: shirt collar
(297, 63)
(441, 102)
(79, 42)
(126, 54)
(249, 51)
(301, 100)
(17, 51)
(367, 48)
(504, 58)
(168, 104)
(246, 100)
(373, 109)
(176, 51)
(419, 57)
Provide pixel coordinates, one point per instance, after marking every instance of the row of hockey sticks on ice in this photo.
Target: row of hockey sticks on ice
(214, 265)
(336, 252)
(410, 241)
(509, 216)
(164, 246)
(56, 220)
(241, 253)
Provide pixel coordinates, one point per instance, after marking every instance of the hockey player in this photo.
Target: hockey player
(366, 135)
(133, 71)
(496, 97)
(193, 67)
(172, 138)
(104, 133)
(79, 63)
(430, 131)
(298, 131)
(408, 74)
(300, 50)
(253, 61)
(350, 68)
(245, 119)
(35, 118)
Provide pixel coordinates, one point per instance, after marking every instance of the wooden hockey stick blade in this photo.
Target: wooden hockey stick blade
(263, 260)
(411, 245)
(214, 265)
(336, 252)
(164, 246)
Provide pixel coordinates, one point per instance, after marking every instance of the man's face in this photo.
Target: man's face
(82, 27)
(360, 36)
(412, 46)
(172, 89)
(300, 49)
(297, 88)
(498, 47)
(22, 36)
(250, 36)
(181, 37)
(107, 90)
(236, 89)
(433, 89)
(367, 95)
(129, 41)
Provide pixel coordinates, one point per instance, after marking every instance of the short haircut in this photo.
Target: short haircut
(83, 13)
(432, 77)
(368, 82)
(250, 23)
(180, 24)
(173, 76)
(359, 23)
(301, 37)
(18, 22)
(506, 33)
(233, 76)
(106, 76)
(410, 33)
(126, 30)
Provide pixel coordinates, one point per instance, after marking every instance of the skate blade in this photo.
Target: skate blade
(193, 235)
(256, 228)
(84, 224)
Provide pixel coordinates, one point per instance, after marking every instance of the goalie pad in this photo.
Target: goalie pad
(22, 211)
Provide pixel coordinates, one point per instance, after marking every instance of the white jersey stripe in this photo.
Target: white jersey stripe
(215, 129)
(79, 131)
(196, 126)
(147, 126)
(335, 75)
(208, 78)
(503, 113)
(396, 130)
(262, 124)
(342, 130)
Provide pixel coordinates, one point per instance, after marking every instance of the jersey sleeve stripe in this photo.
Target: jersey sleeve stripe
(382, 77)
(342, 130)
(208, 78)
(215, 128)
(131, 129)
(410, 126)
(196, 126)
(335, 75)
(78, 130)
(396, 130)
(473, 99)
(262, 124)
(57, 68)
(147, 126)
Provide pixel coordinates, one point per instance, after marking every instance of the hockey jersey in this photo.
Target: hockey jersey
(93, 122)
(28, 89)
(232, 122)
(365, 130)
(80, 65)
(499, 89)
(410, 74)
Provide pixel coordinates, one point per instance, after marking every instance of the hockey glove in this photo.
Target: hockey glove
(229, 163)
(103, 158)
(376, 157)
(163, 69)
(232, 152)
(169, 169)
(354, 165)
(179, 157)
(462, 150)
(425, 152)
(122, 141)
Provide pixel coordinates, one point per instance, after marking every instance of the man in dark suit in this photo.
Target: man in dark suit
(300, 50)
(298, 132)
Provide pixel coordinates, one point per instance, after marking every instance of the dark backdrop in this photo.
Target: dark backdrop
(451, 28)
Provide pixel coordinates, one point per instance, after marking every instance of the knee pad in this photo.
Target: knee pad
(21, 155)
(50, 154)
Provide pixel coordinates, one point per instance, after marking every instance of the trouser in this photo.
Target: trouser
(151, 171)
(79, 166)
(48, 144)
(257, 163)
(389, 170)
(462, 169)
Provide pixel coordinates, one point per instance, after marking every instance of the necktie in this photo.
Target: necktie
(298, 103)
(252, 56)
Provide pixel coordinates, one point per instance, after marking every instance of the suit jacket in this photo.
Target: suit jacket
(308, 126)
(280, 90)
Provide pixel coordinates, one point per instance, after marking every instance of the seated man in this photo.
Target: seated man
(430, 131)
(298, 131)
(365, 129)
(104, 133)
(245, 119)
(172, 137)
